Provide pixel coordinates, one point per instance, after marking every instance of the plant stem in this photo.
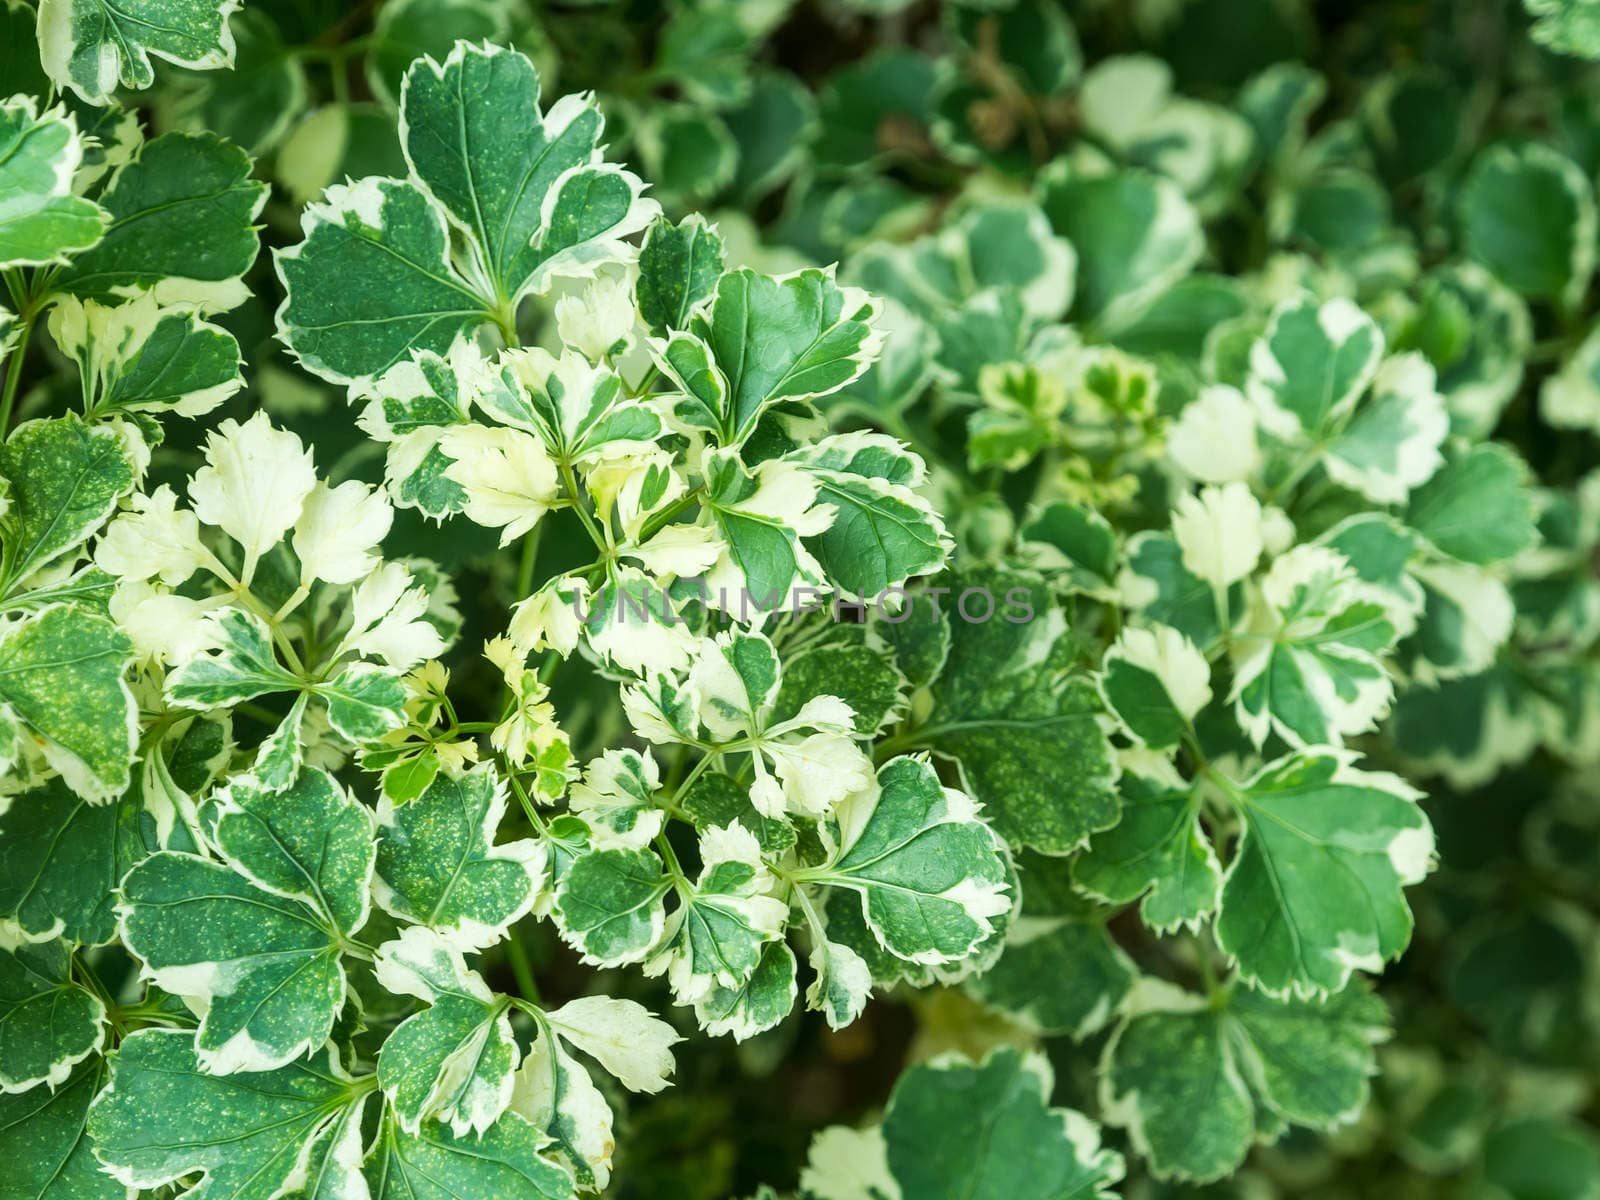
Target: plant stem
(522, 969)
(14, 373)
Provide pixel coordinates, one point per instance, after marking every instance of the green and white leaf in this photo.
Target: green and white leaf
(509, 1160)
(930, 874)
(48, 1024)
(165, 1118)
(63, 478)
(956, 1128)
(438, 864)
(1316, 888)
(253, 943)
(814, 336)
(140, 357)
(1155, 681)
(61, 858)
(47, 1154)
(94, 47)
(524, 186)
(453, 1061)
(63, 687)
(1197, 1084)
(759, 1004)
(1312, 365)
(679, 265)
(1311, 669)
(610, 905)
(1157, 853)
(41, 220)
(183, 214)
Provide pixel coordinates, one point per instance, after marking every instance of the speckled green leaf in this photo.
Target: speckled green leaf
(372, 282)
(61, 859)
(165, 1118)
(438, 865)
(1057, 975)
(93, 47)
(43, 1144)
(756, 1006)
(1527, 212)
(960, 1129)
(1197, 1084)
(255, 941)
(436, 1165)
(610, 904)
(64, 479)
(48, 1024)
(182, 226)
(453, 1061)
(1009, 708)
(62, 681)
(41, 221)
(930, 875)
(679, 264)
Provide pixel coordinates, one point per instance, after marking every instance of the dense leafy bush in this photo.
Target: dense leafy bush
(954, 581)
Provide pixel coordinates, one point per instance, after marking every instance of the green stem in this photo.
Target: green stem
(14, 373)
(570, 481)
(522, 969)
(530, 556)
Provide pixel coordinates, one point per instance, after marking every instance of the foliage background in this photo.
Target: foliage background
(766, 116)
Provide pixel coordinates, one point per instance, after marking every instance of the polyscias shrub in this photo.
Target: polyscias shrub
(847, 600)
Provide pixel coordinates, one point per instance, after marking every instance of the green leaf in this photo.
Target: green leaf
(437, 1165)
(679, 264)
(372, 282)
(255, 940)
(164, 1117)
(1528, 213)
(254, 104)
(555, 1095)
(756, 1006)
(1075, 544)
(41, 220)
(1566, 26)
(930, 874)
(958, 1129)
(1165, 591)
(1155, 681)
(860, 676)
(1316, 888)
(714, 939)
(1311, 366)
(61, 859)
(1057, 975)
(1312, 672)
(1196, 1084)
(1477, 508)
(763, 340)
(762, 516)
(239, 666)
(408, 29)
(716, 800)
(365, 702)
(182, 226)
(609, 905)
(62, 683)
(1157, 850)
(453, 1061)
(138, 357)
(65, 478)
(47, 1154)
(48, 1024)
(1008, 707)
(92, 46)
(1135, 236)
(581, 412)
(883, 532)
(438, 864)
(522, 185)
